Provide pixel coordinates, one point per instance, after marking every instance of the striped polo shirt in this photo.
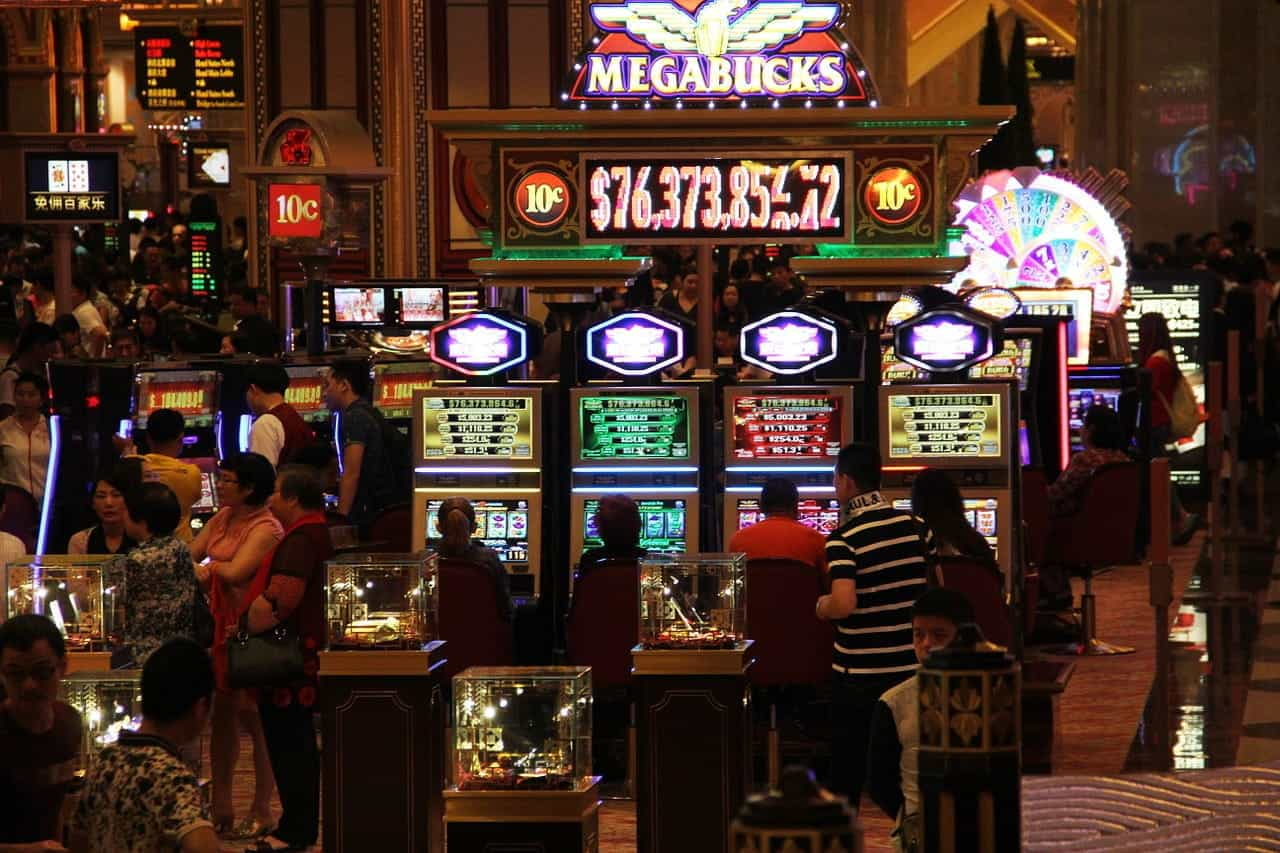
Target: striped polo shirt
(882, 551)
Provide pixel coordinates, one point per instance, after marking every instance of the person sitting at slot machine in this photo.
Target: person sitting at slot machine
(780, 535)
(1103, 438)
(617, 521)
(279, 433)
(937, 502)
(165, 429)
(456, 521)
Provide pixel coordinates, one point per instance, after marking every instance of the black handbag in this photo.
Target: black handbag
(202, 619)
(270, 659)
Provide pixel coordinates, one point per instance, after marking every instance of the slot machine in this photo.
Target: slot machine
(394, 385)
(484, 443)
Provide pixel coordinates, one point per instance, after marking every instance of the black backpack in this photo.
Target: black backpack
(396, 453)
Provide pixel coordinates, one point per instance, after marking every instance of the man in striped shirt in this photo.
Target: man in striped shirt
(878, 563)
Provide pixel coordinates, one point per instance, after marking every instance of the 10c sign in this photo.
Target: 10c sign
(541, 199)
(295, 210)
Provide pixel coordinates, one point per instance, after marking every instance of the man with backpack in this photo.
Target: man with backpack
(371, 467)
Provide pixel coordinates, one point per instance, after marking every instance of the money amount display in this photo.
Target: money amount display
(942, 425)
(786, 426)
(305, 396)
(634, 428)
(456, 427)
(726, 198)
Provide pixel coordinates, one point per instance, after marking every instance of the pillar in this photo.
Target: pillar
(878, 30)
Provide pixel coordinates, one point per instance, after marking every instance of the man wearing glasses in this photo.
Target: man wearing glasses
(39, 736)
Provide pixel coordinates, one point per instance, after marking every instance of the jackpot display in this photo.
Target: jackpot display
(633, 427)
(477, 428)
(394, 386)
(783, 427)
(820, 514)
(940, 425)
(306, 391)
(191, 393)
(731, 198)
(662, 524)
(72, 186)
(501, 524)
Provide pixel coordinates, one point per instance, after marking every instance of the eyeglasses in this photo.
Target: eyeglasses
(40, 672)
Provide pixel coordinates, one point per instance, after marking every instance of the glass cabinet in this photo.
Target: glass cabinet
(381, 601)
(108, 702)
(522, 729)
(74, 592)
(692, 601)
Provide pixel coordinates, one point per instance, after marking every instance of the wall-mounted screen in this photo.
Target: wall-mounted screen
(65, 186)
(663, 523)
(630, 427)
(501, 524)
(940, 424)
(208, 164)
(456, 427)
(787, 426)
(821, 514)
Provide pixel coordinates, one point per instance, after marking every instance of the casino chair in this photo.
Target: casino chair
(983, 585)
(20, 516)
(1101, 535)
(1035, 514)
(469, 622)
(391, 530)
(792, 646)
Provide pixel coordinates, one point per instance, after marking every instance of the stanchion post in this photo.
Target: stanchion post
(1261, 313)
(1161, 589)
(1234, 413)
(1215, 437)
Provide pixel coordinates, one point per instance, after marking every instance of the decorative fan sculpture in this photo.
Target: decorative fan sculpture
(1028, 228)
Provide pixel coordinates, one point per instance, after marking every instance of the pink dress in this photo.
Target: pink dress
(228, 603)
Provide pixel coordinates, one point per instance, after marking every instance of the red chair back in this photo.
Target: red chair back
(1035, 514)
(469, 622)
(21, 516)
(1104, 532)
(604, 622)
(984, 587)
(792, 646)
(393, 527)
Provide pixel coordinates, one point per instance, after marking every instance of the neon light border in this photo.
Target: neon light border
(521, 333)
(596, 332)
(789, 314)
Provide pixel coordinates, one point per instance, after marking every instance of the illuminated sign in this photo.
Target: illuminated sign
(306, 394)
(789, 342)
(944, 425)
(786, 426)
(893, 195)
(995, 302)
(903, 310)
(480, 344)
(294, 210)
(393, 389)
(664, 50)
(633, 427)
(945, 340)
(635, 343)
(72, 186)
(1075, 306)
(204, 71)
(734, 198)
(468, 427)
(209, 165)
(541, 199)
(192, 394)
(205, 239)
(295, 148)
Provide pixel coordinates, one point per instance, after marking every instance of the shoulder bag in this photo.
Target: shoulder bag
(270, 659)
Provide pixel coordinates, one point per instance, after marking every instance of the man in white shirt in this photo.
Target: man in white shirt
(279, 433)
(93, 332)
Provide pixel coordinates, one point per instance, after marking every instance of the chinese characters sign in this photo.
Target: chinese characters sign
(480, 344)
(635, 343)
(72, 187)
(200, 72)
(789, 342)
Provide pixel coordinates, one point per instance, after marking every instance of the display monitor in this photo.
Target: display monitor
(359, 306)
(626, 427)
(395, 384)
(191, 393)
(208, 164)
(1075, 304)
(1012, 362)
(787, 426)
(501, 524)
(475, 427)
(1080, 400)
(208, 501)
(983, 515)
(1179, 296)
(947, 426)
(420, 306)
(306, 391)
(821, 514)
(663, 524)
(64, 186)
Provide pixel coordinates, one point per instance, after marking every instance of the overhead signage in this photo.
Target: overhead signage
(944, 425)
(68, 186)
(945, 340)
(623, 427)
(996, 302)
(480, 344)
(733, 198)
(786, 426)
(636, 343)
(205, 243)
(469, 427)
(295, 210)
(789, 342)
(669, 50)
(204, 71)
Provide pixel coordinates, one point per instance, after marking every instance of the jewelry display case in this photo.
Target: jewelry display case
(108, 702)
(692, 601)
(381, 601)
(74, 592)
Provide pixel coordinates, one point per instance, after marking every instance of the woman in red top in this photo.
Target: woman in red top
(1155, 353)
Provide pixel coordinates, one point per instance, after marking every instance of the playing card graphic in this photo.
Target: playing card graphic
(78, 175)
(57, 176)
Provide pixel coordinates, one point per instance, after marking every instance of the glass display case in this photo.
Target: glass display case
(522, 729)
(381, 601)
(692, 601)
(108, 702)
(75, 592)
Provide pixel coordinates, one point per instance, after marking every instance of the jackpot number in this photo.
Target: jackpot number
(693, 196)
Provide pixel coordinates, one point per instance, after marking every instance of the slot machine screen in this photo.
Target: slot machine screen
(624, 427)
(501, 525)
(487, 428)
(662, 525)
(983, 515)
(193, 394)
(359, 306)
(1079, 401)
(393, 388)
(1012, 362)
(420, 306)
(1076, 305)
(208, 501)
(936, 426)
(821, 514)
(787, 426)
(306, 391)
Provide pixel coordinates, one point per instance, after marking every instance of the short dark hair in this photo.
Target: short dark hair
(318, 455)
(120, 333)
(944, 603)
(155, 505)
(125, 476)
(779, 495)
(302, 482)
(618, 521)
(353, 373)
(271, 378)
(861, 463)
(165, 425)
(23, 632)
(35, 379)
(254, 472)
(1105, 429)
(35, 335)
(65, 324)
(175, 677)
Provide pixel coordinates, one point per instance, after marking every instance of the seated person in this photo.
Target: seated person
(618, 522)
(456, 521)
(938, 503)
(1103, 438)
(139, 794)
(893, 768)
(781, 535)
(108, 536)
(39, 735)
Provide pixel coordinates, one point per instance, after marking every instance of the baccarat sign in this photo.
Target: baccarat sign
(636, 343)
(789, 342)
(667, 50)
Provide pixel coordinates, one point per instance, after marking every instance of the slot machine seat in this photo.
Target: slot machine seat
(983, 585)
(604, 622)
(392, 527)
(469, 622)
(21, 516)
(1101, 535)
(1035, 514)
